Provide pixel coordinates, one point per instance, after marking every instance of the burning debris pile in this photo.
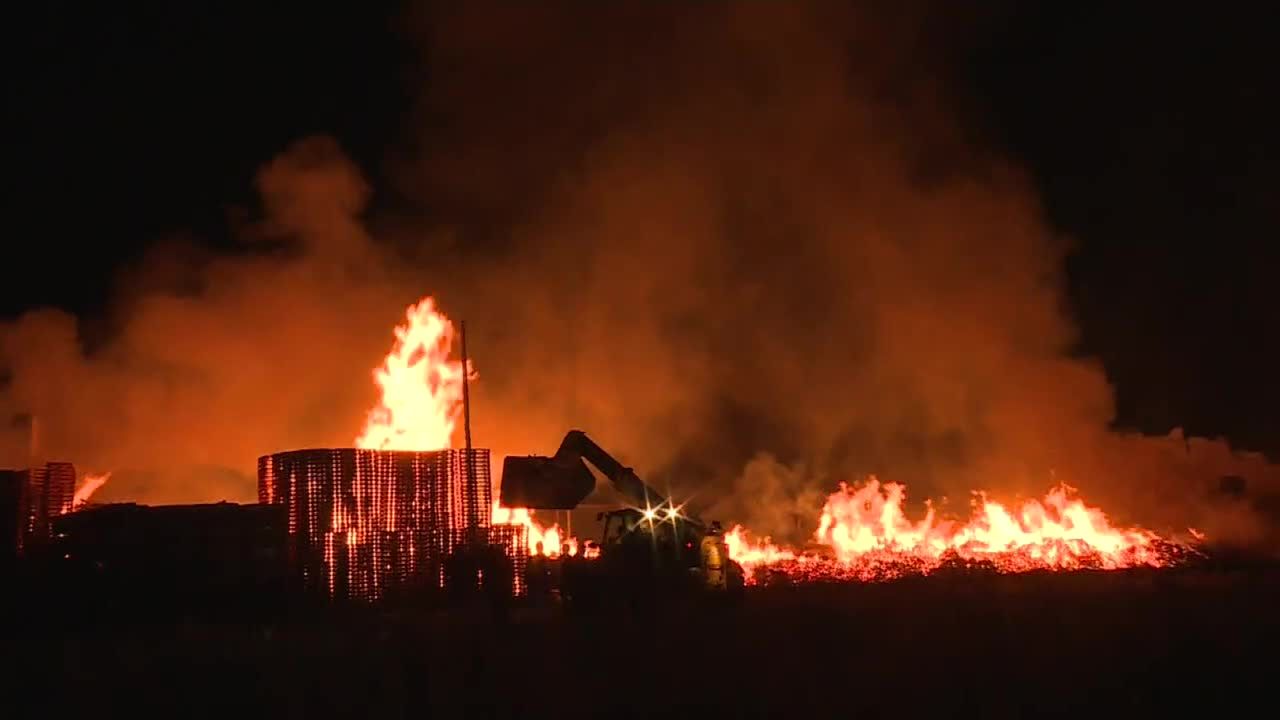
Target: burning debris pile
(34, 497)
(864, 535)
(388, 514)
(31, 499)
(422, 392)
(50, 492)
(365, 523)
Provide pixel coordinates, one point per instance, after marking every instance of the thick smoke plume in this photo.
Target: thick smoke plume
(752, 249)
(218, 360)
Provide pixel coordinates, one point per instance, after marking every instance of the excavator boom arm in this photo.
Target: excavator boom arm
(563, 481)
(577, 446)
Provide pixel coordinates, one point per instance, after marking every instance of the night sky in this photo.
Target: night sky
(1149, 133)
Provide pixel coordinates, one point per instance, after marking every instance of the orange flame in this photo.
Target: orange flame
(870, 537)
(422, 404)
(88, 486)
(752, 554)
(421, 386)
(550, 539)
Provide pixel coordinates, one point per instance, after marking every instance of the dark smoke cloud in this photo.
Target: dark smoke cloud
(753, 249)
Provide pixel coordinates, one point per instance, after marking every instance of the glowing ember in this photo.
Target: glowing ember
(422, 405)
(88, 486)
(870, 538)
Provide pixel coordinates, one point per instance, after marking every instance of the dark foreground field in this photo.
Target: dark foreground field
(1178, 643)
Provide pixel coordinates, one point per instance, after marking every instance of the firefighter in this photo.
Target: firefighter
(715, 557)
(497, 574)
(539, 576)
(461, 570)
(569, 574)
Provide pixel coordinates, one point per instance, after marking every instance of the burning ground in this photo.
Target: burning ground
(865, 536)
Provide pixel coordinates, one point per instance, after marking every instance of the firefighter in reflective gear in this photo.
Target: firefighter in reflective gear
(715, 558)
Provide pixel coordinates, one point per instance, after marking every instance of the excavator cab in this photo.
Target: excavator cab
(615, 526)
(673, 542)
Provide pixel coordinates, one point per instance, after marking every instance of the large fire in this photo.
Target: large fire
(421, 386)
(864, 534)
(88, 486)
(550, 540)
(421, 406)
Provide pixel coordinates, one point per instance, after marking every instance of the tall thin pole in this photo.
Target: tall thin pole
(466, 393)
(473, 491)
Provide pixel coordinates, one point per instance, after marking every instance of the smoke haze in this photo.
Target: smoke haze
(218, 359)
(753, 250)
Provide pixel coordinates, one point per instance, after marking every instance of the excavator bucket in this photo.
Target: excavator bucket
(540, 483)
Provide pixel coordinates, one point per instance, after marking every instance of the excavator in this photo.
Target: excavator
(649, 550)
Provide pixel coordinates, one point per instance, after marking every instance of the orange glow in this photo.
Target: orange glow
(88, 486)
(870, 538)
(421, 407)
(551, 538)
